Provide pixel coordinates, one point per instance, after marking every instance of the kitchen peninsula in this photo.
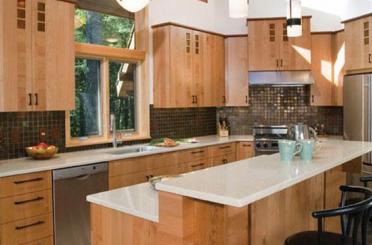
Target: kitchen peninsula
(255, 201)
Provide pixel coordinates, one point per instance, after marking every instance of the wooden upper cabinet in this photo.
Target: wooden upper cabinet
(236, 60)
(188, 67)
(322, 68)
(270, 49)
(358, 41)
(36, 55)
(338, 56)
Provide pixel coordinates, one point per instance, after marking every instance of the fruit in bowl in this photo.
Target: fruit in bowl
(42, 151)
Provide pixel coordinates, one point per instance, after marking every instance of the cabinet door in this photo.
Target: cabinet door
(218, 71)
(244, 150)
(236, 59)
(197, 85)
(338, 53)
(15, 55)
(53, 55)
(295, 52)
(358, 44)
(181, 68)
(321, 90)
(263, 45)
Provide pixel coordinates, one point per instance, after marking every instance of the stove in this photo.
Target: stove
(266, 138)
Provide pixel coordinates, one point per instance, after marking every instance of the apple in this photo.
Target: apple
(42, 145)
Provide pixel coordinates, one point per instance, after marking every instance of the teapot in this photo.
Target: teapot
(301, 131)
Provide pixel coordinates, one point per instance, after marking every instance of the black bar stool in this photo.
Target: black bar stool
(352, 216)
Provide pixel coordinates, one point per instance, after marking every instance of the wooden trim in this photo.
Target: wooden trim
(361, 71)
(341, 30)
(274, 18)
(357, 18)
(99, 51)
(69, 1)
(186, 26)
(326, 32)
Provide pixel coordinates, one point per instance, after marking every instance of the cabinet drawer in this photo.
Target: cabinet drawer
(195, 165)
(224, 159)
(25, 206)
(45, 241)
(245, 150)
(140, 164)
(26, 183)
(193, 155)
(224, 149)
(27, 230)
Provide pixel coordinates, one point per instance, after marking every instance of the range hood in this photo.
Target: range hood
(280, 78)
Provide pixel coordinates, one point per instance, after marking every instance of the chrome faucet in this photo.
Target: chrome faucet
(113, 130)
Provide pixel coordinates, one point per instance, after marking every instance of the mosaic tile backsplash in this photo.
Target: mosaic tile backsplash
(282, 105)
(19, 130)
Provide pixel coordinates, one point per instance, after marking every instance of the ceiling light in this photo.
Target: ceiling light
(294, 18)
(133, 5)
(238, 8)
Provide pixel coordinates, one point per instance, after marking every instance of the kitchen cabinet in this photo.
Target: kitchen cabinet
(322, 69)
(358, 44)
(36, 55)
(26, 209)
(236, 61)
(270, 49)
(188, 67)
(328, 59)
(244, 150)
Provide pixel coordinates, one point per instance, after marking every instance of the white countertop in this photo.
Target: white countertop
(73, 159)
(236, 184)
(138, 200)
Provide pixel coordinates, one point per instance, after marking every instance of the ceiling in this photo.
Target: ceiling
(105, 6)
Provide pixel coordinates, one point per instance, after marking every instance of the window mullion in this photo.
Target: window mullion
(105, 103)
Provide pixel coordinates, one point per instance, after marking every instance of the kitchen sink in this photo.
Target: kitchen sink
(133, 150)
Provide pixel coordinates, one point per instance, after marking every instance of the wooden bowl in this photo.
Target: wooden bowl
(41, 153)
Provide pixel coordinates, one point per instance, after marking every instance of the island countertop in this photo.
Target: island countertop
(243, 182)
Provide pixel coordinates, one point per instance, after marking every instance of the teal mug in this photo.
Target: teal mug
(309, 147)
(288, 149)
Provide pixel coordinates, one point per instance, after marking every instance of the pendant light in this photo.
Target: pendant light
(133, 5)
(294, 18)
(238, 8)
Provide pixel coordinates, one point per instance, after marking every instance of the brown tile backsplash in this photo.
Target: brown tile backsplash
(282, 105)
(19, 130)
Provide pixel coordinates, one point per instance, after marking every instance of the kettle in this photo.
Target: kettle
(301, 131)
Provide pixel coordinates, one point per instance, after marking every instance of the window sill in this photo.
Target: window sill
(74, 142)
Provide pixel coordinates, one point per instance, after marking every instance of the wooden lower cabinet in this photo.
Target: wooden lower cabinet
(44, 241)
(134, 171)
(27, 230)
(244, 150)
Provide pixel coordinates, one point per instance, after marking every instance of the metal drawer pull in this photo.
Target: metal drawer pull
(30, 99)
(30, 225)
(370, 58)
(197, 152)
(28, 201)
(197, 165)
(27, 181)
(247, 145)
(224, 161)
(225, 147)
(36, 99)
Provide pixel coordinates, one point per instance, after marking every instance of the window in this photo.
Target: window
(109, 79)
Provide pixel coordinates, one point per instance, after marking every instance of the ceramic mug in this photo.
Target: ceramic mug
(309, 147)
(288, 149)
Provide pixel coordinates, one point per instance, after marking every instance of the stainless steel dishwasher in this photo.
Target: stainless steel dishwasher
(71, 210)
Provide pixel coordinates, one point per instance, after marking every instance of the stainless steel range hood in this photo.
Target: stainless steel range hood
(280, 78)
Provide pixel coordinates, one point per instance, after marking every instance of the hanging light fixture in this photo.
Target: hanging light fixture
(294, 18)
(238, 8)
(133, 5)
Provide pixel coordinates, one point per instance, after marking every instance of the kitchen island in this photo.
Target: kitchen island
(256, 201)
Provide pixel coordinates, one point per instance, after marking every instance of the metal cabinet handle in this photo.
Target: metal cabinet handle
(224, 161)
(312, 98)
(30, 225)
(247, 145)
(36, 99)
(27, 181)
(246, 99)
(197, 152)
(277, 63)
(196, 97)
(225, 147)
(30, 99)
(370, 58)
(197, 165)
(281, 62)
(28, 201)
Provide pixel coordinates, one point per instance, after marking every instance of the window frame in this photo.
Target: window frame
(142, 107)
